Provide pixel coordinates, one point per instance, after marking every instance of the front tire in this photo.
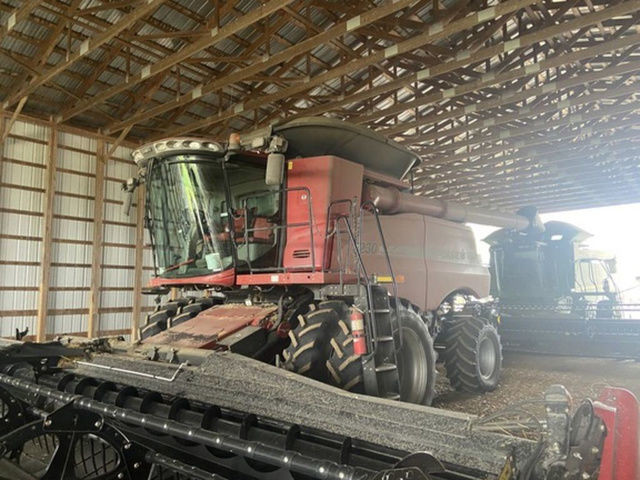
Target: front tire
(310, 348)
(473, 353)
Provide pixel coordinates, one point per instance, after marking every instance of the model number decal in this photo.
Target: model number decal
(440, 254)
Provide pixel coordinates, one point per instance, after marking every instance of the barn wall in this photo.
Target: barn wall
(73, 284)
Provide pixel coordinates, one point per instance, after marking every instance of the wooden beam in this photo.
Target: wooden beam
(506, 134)
(513, 95)
(118, 141)
(462, 58)
(525, 157)
(46, 46)
(437, 31)
(93, 325)
(263, 64)
(47, 235)
(525, 112)
(546, 177)
(491, 79)
(88, 46)
(538, 168)
(521, 163)
(617, 189)
(591, 134)
(215, 35)
(13, 119)
(137, 272)
(17, 16)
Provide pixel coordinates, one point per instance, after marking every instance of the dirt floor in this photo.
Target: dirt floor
(526, 376)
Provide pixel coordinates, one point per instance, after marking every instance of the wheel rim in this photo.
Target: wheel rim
(486, 358)
(412, 367)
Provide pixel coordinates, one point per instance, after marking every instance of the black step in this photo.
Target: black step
(386, 367)
(388, 338)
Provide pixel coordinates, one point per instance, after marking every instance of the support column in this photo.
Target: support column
(3, 124)
(139, 257)
(93, 325)
(47, 234)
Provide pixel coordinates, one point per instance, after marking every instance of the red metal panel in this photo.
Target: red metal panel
(328, 179)
(608, 416)
(223, 279)
(620, 411)
(207, 328)
(292, 278)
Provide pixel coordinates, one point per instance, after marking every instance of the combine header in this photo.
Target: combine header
(218, 415)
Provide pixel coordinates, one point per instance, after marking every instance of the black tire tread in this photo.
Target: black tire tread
(309, 347)
(460, 338)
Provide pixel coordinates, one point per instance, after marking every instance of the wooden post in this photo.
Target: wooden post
(47, 235)
(13, 119)
(137, 275)
(93, 325)
(3, 124)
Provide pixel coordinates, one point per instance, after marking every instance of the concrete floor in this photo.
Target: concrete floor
(527, 376)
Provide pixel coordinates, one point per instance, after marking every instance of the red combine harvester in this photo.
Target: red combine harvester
(300, 246)
(312, 250)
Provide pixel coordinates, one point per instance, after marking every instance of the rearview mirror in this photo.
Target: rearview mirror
(129, 187)
(275, 169)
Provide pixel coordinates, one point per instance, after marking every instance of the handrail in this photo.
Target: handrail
(282, 226)
(374, 210)
(325, 249)
(371, 317)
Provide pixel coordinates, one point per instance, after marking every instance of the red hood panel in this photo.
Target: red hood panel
(224, 279)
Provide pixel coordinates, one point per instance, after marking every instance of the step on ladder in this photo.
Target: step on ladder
(380, 367)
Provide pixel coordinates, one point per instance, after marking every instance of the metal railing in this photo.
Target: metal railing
(277, 229)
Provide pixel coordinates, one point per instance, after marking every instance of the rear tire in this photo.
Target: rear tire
(473, 354)
(416, 360)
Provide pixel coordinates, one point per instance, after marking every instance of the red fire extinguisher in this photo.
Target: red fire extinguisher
(357, 330)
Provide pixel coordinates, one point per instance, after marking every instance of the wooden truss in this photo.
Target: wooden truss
(509, 103)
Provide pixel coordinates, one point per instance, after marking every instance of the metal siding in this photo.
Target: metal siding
(76, 257)
(117, 171)
(19, 250)
(73, 230)
(18, 276)
(21, 280)
(16, 224)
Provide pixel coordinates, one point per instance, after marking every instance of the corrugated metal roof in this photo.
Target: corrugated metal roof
(161, 34)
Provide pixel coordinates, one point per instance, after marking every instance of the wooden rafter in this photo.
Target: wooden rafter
(486, 92)
(86, 48)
